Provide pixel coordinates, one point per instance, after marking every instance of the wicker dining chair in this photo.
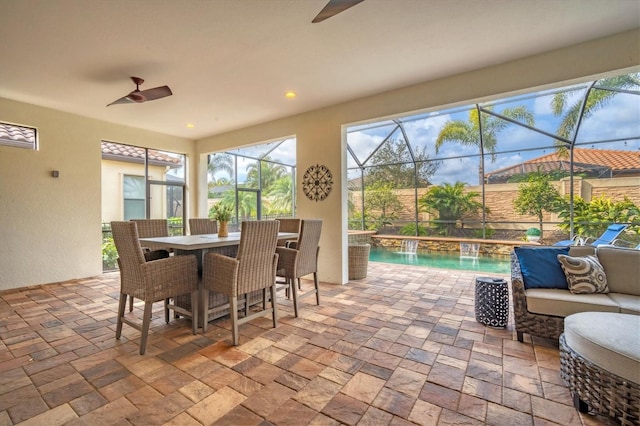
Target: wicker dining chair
(288, 225)
(150, 228)
(200, 226)
(254, 268)
(294, 263)
(152, 281)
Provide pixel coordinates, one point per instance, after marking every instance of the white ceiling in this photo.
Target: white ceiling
(229, 62)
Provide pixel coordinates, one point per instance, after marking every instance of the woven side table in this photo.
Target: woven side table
(358, 261)
(492, 301)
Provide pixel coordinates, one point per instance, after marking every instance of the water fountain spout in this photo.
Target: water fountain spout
(408, 247)
(469, 250)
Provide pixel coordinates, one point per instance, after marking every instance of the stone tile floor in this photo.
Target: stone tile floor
(400, 347)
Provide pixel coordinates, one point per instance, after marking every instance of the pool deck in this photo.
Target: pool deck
(400, 347)
(448, 283)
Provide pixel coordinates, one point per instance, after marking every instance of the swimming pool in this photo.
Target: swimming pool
(446, 261)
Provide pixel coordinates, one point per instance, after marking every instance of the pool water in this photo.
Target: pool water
(446, 261)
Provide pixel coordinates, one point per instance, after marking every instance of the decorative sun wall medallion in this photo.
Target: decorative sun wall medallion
(316, 182)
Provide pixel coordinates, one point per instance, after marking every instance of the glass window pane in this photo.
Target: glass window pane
(133, 209)
(18, 136)
(255, 151)
(364, 141)
(165, 165)
(354, 196)
(615, 116)
(277, 190)
(351, 162)
(134, 187)
(248, 173)
(285, 152)
(134, 197)
(463, 169)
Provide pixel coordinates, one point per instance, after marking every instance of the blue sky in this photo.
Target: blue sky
(620, 118)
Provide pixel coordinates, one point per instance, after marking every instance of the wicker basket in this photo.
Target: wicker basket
(602, 391)
(358, 261)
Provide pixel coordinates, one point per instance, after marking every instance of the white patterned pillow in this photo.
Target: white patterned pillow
(584, 274)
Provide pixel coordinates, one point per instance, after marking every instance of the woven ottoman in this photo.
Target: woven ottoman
(492, 301)
(600, 363)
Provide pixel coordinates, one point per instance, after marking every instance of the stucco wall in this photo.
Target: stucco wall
(50, 228)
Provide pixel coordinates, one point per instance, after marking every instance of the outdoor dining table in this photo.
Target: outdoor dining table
(201, 244)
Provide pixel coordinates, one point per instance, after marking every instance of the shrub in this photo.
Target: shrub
(410, 230)
(533, 232)
(109, 253)
(488, 233)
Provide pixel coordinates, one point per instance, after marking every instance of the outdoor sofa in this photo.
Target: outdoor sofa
(541, 305)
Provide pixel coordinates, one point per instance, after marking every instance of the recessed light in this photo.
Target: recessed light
(190, 125)
(290, 94)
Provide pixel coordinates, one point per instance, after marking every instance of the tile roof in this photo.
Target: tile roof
(584, 159)
(18, 135)
(122, 152)
(615, 159)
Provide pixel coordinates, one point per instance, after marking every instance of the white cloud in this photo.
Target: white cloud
(457, 170)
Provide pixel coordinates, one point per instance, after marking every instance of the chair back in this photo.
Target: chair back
(288, 225)
(613, 231)
(256, 254)
(200, 226)
(150, 228)
(308, 246)
(130, 257)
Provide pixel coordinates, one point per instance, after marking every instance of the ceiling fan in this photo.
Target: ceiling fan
(333, 8)
(139, 96)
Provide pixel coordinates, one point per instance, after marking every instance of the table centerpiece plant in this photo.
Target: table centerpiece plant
(222, 213)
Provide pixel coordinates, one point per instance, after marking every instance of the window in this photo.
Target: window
(496, 168)
(18, 136)
(134, 197)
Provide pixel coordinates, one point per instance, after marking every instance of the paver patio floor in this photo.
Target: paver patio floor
(397, 348)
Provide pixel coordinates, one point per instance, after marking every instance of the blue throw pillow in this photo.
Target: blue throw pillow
(540, 267)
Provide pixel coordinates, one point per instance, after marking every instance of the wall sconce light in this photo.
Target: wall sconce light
(55, 173)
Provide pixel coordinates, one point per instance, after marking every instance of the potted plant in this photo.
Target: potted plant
(222, 213)
(533, 234)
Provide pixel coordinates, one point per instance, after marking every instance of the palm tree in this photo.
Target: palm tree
(468, 132)
(451, 203)
(220, 162)
(596, 98)
(269, 173)
(281, 195)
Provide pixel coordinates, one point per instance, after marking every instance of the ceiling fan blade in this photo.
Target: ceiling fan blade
(333, 8)
(155, 93)
(123, 100)
(139, 96)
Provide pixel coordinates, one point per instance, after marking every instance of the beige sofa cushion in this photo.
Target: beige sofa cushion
(629, 304)
(622, 267)
(561, 303)
(581, 250)
(610, 341)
